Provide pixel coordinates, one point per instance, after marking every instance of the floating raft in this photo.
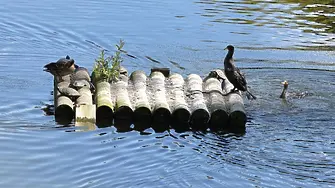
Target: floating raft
(160, 100)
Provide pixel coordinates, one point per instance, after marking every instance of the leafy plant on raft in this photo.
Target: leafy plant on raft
(108, 68)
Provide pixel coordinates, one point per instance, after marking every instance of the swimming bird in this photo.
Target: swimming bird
(284, 94)
(62, 67)
(234, 75)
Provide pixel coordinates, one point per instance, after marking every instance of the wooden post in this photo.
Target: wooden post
(104, 104)
(85, 96)
(195, 99)
(237, 115)
(176, 99)
(164, 71)
(216, 104)
(161, 111)
(142, 113)
(64, 111)
(85, 111)
(123, 108)
(85, 116)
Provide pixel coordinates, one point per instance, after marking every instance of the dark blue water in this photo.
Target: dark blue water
(287, 143)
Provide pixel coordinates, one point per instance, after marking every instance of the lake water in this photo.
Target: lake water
(287, 143)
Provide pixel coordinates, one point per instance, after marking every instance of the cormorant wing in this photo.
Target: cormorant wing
(240, 77)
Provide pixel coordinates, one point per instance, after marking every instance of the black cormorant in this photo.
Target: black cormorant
(283, 93)
(297, 95)
(234, 75)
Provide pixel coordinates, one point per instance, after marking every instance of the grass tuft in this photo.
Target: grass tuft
(107, 68)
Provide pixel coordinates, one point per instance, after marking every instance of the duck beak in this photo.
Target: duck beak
(73, 67)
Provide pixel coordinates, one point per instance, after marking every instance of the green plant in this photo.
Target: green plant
(108, 68)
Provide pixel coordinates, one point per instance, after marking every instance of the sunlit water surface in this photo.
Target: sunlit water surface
(287, 143)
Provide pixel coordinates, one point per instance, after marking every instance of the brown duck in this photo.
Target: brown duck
(62, 67)
(234, 75)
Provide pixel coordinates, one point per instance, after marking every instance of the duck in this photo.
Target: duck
(285, 94)
(62, 67)
(219, 75)
(234, 75)
(81, 78)
(73, 94)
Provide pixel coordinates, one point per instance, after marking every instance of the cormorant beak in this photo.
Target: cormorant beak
(225, 48)
(284, 83)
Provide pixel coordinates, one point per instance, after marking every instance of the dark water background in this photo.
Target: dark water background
(286, 144)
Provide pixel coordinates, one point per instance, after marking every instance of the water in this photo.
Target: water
(286, 144)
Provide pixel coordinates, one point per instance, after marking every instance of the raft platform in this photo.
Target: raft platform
(160, 100)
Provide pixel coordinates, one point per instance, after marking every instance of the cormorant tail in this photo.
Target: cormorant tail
(250, 96)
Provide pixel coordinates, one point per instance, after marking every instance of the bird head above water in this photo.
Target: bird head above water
(294, 95)
(285, 84)
(283, 93)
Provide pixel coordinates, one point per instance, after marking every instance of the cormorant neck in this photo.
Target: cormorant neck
(230, 54)
(283, 93)
(228, 60)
